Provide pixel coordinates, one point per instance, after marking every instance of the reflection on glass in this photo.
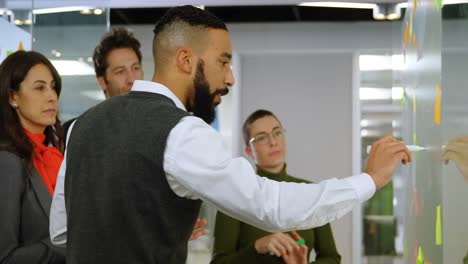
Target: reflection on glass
(67, 35)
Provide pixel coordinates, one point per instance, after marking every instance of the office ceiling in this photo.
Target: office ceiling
(162, 3)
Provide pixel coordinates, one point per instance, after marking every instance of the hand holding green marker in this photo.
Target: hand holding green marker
(300, 242)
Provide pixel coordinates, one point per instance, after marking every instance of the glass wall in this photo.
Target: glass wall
(67, 35)
(435, 114)
(381, 98)
(454, 124)
(15, 27)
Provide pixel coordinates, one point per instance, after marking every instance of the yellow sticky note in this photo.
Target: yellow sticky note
(438, 231)
(8, 53)
(20, 46)
(437, 105)
(420, 256)
(415, 252)
(403, 97)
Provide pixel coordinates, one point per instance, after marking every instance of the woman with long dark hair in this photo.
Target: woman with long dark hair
(30, 156)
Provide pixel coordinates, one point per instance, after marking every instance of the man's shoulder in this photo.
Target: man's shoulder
(67, 125)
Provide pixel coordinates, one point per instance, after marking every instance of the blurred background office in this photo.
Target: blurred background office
(338, 74)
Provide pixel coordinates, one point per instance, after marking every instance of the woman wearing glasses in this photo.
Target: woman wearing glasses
(30, 157)
(238, 242)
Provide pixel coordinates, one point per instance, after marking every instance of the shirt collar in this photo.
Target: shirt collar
(154, 87)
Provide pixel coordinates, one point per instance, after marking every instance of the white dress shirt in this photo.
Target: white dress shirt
(198, 166)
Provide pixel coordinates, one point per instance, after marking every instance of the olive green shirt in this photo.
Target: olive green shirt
(235, 240)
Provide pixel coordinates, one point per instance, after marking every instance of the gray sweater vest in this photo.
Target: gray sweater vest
(120, 206)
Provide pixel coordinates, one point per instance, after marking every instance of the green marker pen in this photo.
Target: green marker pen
(300, 242)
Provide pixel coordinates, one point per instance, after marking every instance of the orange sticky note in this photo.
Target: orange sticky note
(407, 34)
(20, 46)
(437, 105)
(438, 231)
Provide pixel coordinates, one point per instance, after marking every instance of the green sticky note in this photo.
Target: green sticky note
(9, 52)
(438, 231)
(403, 97)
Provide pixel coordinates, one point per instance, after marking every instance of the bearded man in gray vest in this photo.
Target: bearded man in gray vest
(133, 189)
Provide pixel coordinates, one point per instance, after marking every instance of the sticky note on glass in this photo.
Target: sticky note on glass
(415, 204)
(415, 252)
(437, 105)
(420, 256)
(403, 97)
(438, 231)
(407, 34)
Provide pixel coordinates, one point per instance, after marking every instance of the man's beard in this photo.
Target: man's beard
(203, 105)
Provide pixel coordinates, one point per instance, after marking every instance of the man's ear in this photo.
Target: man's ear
(185, 60)
(103, 85)
(248, 151)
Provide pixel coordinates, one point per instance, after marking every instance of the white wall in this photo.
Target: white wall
(315, 108)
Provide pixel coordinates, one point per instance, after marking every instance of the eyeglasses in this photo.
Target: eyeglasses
(264, 138)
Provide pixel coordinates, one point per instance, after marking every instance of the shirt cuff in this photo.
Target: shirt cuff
(60, 238)
(364, 186)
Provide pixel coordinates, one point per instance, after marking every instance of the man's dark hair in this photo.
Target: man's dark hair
(251, 119)
(189, 14)
(179, 24)
(117, 38)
